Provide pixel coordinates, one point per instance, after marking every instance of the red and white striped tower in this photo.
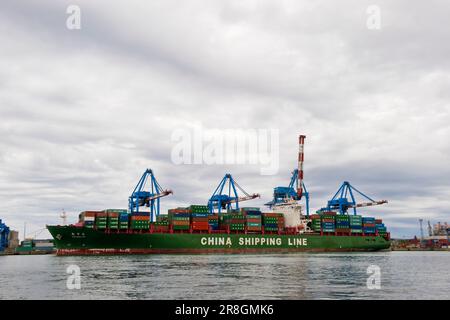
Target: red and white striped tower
(301, 145)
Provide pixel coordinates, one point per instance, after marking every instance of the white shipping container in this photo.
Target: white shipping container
(43, 244)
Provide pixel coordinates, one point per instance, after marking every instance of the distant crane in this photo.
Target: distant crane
(430, 229)
(35, 234)
(341, 203)
(226, 195)
(148, 196)
(421, 229)
(4, 235)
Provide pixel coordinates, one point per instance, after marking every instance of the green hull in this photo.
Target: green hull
(71, 240)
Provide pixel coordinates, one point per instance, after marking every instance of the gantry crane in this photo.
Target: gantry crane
(296, 189)
(148, 196)
(341, 203)
(430, 229)
(4, 235)
(226, 195)
(421, 229)
(285, 194)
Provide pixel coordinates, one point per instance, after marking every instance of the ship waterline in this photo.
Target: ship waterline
(70, 240)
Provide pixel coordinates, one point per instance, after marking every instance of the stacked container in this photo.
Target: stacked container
(88, 218)
(199, 217)
(234, 221)
(200, 221)
(115, 210)
(43, 245)
(171, 212)
(27, 245)
(140, 221)
(273, 221)
(329, 221)
(355, 223)
(101, 219)
(342, 223)
(368, 224)
(180, 221)
(195, 208)
(213, 221)
(316, 224)
(247, 209)
(179, 218)
(162, 222)
(380, 227)
(237, 222)
(113, 220)
(253, 219)
(123, 221)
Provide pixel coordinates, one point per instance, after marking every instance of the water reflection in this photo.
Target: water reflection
(405, 275)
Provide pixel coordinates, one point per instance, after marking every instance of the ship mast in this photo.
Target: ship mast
(301, 145)
(63, 216)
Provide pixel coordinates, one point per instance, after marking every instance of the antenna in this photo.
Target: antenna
(63, 216)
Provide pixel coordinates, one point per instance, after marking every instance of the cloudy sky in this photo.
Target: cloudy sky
(84, 112)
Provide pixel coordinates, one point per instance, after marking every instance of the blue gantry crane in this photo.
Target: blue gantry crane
(285, 194)
(296, 189)
(4, 236)
(147, 194)
(226, 196)
(341, 203)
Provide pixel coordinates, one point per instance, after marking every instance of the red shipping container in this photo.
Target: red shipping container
(179, 210)
(200, 225)
(113, 214)
(180, 222)
(369, 225)
(140, 218)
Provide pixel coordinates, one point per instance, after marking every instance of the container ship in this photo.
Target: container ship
(222, 226)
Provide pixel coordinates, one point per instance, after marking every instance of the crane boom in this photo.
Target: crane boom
(367, 204)
(344, 199)
(226, 195)
(147, 194)
(245, 198)
(159, 195)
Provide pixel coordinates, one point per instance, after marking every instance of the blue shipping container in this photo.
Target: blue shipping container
(199, 215)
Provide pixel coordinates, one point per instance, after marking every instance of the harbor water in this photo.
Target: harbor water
(402, 275)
